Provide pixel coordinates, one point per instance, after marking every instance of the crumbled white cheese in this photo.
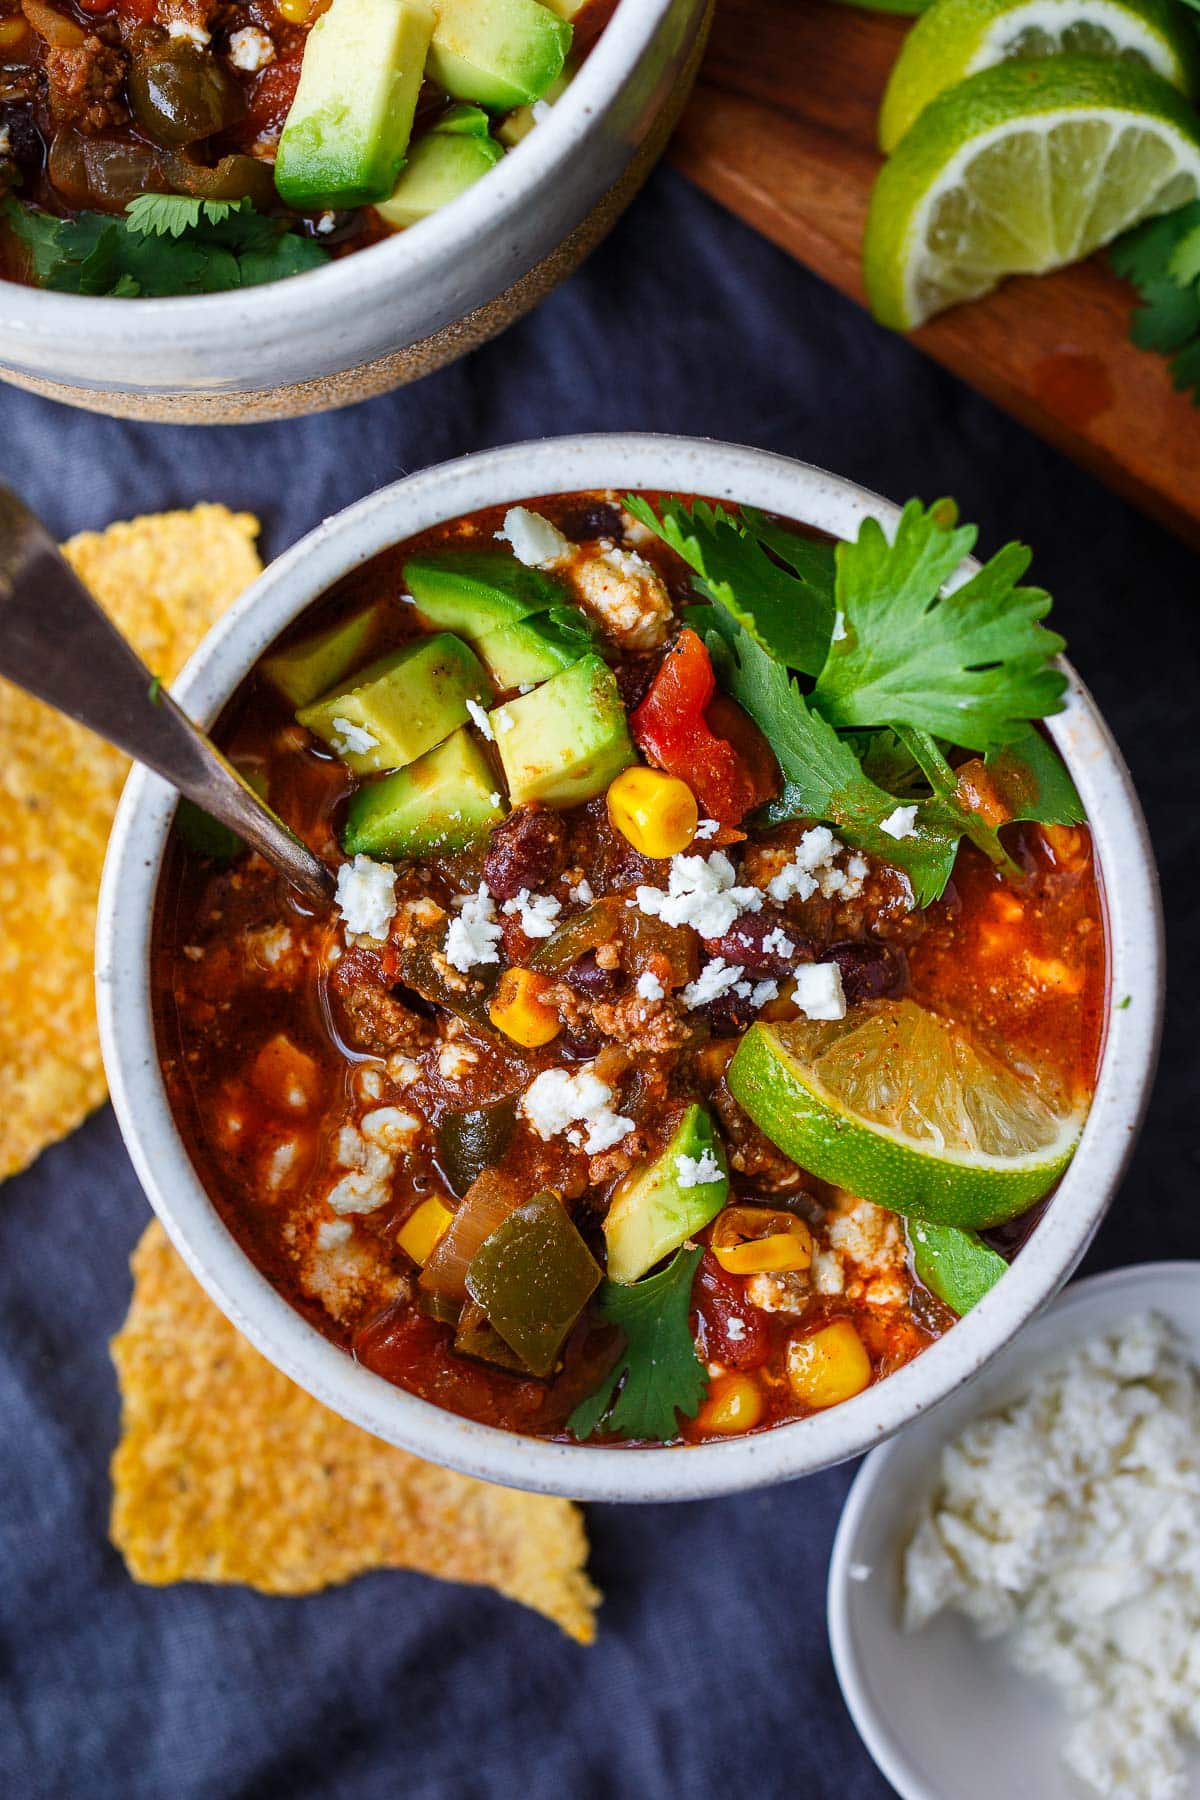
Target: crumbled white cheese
(454, 1061)
(195, 34)
(698, 1171)
(281, 1162)
(757, 992)
(582, 893)
(813, 866)
(826, 1273)
(494, 798)
(368, 1185)
(870, 1236)
(786, 1293)
(556, 1098)
(366, 896)
(473, 935)
(779, 943)
(649, 987)
(540, 111)
(715, 978)
(250, 49)
(818, 991)
(5, 141)
(534, 540)
(403, 1070)
(735, 1329)
(326, 222)
(701, 892)
(390, 1127)
(272, 945)
(627, 595)
(839, 626)
(351, 739)
(1070, 1520)
(332, 1232)
(902, 823)
(707, 828)
(502, 719)
(537, 912)
(193, 952)
(480, 718)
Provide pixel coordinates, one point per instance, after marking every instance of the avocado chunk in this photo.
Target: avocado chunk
(443, 164)
(308, 668)
(407, 702)
(443, 801)
(345, 138)
(563, 743)
(955, 1265)
(501, 53)
(477, 591)
(535, 648)
(653, 1213)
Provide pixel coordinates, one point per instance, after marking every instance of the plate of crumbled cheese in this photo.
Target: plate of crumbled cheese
(1014, 1592)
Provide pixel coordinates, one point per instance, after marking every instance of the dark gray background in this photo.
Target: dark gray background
(711, 1675)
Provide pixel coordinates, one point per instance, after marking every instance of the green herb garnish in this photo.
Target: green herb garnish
(1162, 260)
(907, 676)
(164, 245)
(658, 1369)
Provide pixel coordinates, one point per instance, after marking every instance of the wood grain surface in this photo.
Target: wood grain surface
(781, 129)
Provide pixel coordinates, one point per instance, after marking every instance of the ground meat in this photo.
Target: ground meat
(653, 1026)
(83, 84)
(374, 1017)
(751, 1152)
(528, 849)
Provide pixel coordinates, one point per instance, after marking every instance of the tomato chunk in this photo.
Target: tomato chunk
(685, 727)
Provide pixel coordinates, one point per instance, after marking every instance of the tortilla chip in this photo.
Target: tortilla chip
(227, 1472)
(164, 579)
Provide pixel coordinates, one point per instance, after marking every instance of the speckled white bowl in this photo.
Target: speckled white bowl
(126, 907)
(936, 1704)
(395, 311)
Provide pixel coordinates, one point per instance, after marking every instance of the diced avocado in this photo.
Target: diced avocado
(465, 121)
(407, 701)
(535, 648)
(567, 9)
(443, 801)
(653, 1213)
(955, 1265)
(501, 53)
(310, 667)
(520, 123)
(345, 138)
(563, 743)
(476, 591)
(443, 165)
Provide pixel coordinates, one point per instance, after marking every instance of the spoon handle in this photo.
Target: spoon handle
(56, 643)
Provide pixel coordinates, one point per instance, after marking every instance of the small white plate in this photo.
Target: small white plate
(943, 1714)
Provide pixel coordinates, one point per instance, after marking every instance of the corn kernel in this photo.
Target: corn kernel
(734, 1404)
(294, 11)
(829, 1366)
(12, 32)
(423, 1229)
(656, 812)
(755, 1240)
(518, 1010)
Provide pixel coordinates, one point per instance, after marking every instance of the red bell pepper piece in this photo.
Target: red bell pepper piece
(673, 728)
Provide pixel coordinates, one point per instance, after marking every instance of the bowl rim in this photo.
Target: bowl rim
(342, 542)
(397, 260)
(881, 1743)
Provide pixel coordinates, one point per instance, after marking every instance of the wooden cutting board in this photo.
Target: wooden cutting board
(782, 130)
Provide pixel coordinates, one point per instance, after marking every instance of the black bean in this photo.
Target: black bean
(586, 976)
(594, 519)
(869, 969)
(527, 850)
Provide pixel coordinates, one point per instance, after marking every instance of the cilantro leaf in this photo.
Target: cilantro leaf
(39, 235)
(823, 778)
(170, 215)
(1162, 260)
(659, 1373)
(786, 611)
(1033, 781)
(972, 667)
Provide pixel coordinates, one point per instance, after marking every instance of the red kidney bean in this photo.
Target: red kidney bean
(527, 850)
(744, 945)
(869, 969)
(587, 977)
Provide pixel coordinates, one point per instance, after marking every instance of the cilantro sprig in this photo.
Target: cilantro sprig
(906, 674)
(658, 1372)
(163, 245)
(1162, 260)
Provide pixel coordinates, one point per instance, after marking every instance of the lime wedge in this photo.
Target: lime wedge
(902, 1107)
(957, 38)
(1021, 169)
(955, 1265)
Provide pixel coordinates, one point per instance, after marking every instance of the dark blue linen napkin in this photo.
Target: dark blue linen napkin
(711, 1674)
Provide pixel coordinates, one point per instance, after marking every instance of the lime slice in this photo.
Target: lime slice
(955, 1265)
(900, 1106)
(957, 38)
(1020, 169)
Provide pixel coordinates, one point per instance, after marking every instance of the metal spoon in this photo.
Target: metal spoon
(57, 644)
